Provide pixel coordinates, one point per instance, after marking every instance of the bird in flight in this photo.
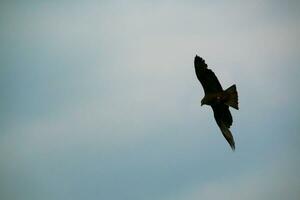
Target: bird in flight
(217, 98)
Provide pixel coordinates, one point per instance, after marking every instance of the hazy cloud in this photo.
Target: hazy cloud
(101, 100)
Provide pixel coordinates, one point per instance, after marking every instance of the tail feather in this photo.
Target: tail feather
(233, 97)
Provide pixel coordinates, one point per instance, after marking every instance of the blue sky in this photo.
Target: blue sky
(100, 100)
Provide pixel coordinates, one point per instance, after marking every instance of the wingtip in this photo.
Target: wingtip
(199, 60)
(231, 143)
(227, 134)
(232, 147)
(198, 57)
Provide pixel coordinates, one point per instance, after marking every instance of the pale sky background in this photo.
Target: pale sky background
(100, 100)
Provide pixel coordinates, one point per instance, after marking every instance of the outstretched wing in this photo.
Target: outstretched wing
(224, 120)
(207, 77)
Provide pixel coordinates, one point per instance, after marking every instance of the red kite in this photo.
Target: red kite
(217, 98)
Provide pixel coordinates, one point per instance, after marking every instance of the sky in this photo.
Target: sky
(100, 100)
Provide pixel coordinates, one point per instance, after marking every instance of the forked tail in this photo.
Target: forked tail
(232, 97)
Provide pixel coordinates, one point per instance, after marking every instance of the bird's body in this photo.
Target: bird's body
(217, 98)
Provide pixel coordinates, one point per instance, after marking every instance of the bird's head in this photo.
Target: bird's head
(205, 101)
(202, 102)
